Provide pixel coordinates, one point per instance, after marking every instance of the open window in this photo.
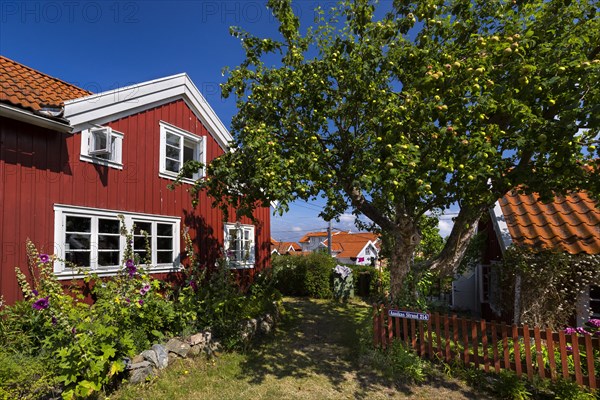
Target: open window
(239, 245)
(100, 141)
(177, 147)
(102, 145)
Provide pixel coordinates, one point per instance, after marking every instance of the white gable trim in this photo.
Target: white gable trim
(114, 104)
(500, 227)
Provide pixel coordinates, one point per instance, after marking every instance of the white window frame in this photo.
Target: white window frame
(199, 155)
(62, 211)
(116, 148)
(235, 264)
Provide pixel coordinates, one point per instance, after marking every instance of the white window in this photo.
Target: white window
(176, 148)
(239, 245)
(595, 301)
(102, 145)
(91, 238)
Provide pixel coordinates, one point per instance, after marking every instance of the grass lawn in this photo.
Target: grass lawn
(312, 356)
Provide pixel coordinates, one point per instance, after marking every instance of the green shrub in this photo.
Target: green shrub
(398, 362)
(510, 387)
(564, 389)
(308, 275)
(25, 377)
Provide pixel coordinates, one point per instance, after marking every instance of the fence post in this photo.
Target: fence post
(550, 347)
(484, 346)
(589, 351)
(562, 342)
(515, 337)
(527, 345)
(495, 346)
(576, 359)
(538, 351)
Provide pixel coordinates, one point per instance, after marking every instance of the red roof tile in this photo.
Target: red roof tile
(569, 223)
(27, 88)
(284, 247)
(349, 244)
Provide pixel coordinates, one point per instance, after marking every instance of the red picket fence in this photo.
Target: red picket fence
(494, 346)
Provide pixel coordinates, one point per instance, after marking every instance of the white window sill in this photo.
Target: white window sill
(173, 177)
(240, 266)
(100, 161)
(106, 272)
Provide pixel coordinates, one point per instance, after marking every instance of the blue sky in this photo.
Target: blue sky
(103, 45)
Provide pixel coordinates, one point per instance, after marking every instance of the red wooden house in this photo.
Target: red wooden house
(71, 162)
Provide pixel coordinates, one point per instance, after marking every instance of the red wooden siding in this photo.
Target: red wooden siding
(40, 168)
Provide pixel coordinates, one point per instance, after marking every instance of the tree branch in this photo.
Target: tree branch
(463, 230)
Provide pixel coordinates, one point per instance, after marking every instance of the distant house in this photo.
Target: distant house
(313, 240)
(283, 248)
(73, 162)
(570, 224)
(359, 248)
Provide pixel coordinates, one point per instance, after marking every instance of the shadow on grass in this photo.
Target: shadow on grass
(323, 338)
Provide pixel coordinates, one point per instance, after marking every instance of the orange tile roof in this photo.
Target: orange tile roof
(283, 247)
(350, 244)
(27, 88)
(569, 223)
(307, 237)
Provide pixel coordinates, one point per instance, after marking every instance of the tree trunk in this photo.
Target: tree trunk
(406, 239)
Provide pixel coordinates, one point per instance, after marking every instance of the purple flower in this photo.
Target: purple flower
(131, 269)
(145, 289)
(73, 330)
(594, 322)
(35, 292)
(127, 300)
(570, 330)
(582, 331)
(129, 263)
(141, 302)
(41, 304)
(54, 321)
(569, 348)
(194, 285)
(44, 258)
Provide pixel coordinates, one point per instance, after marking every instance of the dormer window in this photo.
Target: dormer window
(102, 145)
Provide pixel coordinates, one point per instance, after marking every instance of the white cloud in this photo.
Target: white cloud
(297, 229)
(445, 226)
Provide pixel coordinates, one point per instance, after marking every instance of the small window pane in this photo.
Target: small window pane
(164, 229)
(139, 243)
(106, 242)
(78, 224)
(142, 226)
(108, 258)
(173, 152)
(189, 152)
(76, 241)
(79, 258)
(108, 225)
(141, 254)
(172, 166)
(99, 140)
(164, 257)
(173, 140)
(164, 243)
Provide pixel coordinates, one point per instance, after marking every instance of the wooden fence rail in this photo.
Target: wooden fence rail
(494, 346)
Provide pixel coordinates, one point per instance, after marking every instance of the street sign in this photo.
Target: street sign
(409, 315)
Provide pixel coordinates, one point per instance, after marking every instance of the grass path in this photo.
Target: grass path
(311, 356)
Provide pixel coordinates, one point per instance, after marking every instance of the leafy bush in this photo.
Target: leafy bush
(398, 362)
(308, 275)
(25, 376)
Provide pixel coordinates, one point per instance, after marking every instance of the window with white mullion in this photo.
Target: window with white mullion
(139, 240)
(164, 243)
(78, 240)
(177, 147)
(173, 153)
(109, 242)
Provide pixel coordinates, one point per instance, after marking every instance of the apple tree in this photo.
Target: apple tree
(410, 107)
